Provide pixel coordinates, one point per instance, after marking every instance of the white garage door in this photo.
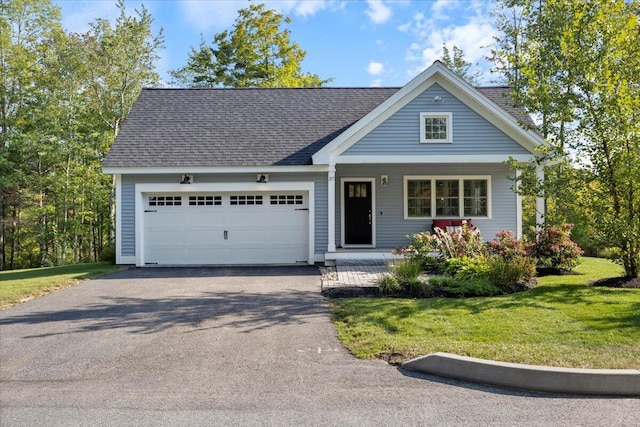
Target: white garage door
(226, 228)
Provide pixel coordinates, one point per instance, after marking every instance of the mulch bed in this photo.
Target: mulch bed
(351, 292)
(619, 282)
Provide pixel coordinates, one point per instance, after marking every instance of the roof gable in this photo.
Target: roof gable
(437, 73)
(400, 133)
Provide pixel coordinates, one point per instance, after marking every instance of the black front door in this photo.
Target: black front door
(357, 213)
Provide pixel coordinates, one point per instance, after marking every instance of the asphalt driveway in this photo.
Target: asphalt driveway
(231, 346)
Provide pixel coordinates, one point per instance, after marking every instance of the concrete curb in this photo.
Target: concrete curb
(603, 382)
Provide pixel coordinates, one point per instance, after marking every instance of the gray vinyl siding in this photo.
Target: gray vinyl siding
(391, 227)
(400, 133)
(128, 200)
(128, 215)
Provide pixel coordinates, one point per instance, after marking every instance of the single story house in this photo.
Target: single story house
(308, 175)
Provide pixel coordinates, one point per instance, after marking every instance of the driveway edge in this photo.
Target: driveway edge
(603, 382)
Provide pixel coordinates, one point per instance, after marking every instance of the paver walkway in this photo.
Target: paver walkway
(354, 275)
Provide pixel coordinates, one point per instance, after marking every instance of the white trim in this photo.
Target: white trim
(433, 179)
(118, 202)
(436, 73)
(518, 205)
(364, 255)
(540, 201)
(373, 211)
(331, 208)
(429, 159)
(141, 189)
(213, 169)
(429, 115)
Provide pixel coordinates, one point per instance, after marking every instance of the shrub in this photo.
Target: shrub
(466, 268)
(108, 254)
(506, 246)
(475, 287)
(414, 288)
(466, 242)
(506, 274)
(406, 269)
(555, 249)
(387, 285)
(404, 279)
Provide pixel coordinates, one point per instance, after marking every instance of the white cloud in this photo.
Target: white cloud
(76, 16)
(376, 83)
(375, 68)
(440, 8)
(207, 15)
(309, 7)
(378, 12)
(472, 31)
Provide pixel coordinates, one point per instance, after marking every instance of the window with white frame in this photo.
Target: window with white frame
(419, 198)
(447, 197)
(436, 127)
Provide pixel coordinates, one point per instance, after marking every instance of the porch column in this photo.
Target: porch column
(331, 203)
(518, 205)
(540, 202)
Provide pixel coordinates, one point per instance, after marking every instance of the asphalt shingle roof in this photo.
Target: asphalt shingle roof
(237, 127)
(244, 127)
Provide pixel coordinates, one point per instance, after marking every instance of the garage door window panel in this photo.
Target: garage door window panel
(205, 201)
(243, 200)
(165, 200)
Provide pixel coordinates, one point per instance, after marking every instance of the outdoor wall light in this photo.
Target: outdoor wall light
(186, 179)
(262, 178)
(384, 180)
(437, 99)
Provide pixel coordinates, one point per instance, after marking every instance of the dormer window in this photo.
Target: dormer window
(436, 128)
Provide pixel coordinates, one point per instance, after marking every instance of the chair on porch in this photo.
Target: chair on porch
(450, 225)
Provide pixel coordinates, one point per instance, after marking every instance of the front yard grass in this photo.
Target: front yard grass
(17, 286)
(561, 322)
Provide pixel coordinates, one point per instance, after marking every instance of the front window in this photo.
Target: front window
(447, 197)
(419, 198)
(475, 197)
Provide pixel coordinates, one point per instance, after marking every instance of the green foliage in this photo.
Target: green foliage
(388, 285)
(108, 254)
(403, 280)
(576, 64)
(555, 249)
(459, 65)
(562, 322)
(507, 246)
(255, 53)
(406, 269)
(64, 98)
(506, 274)
(472, 287)
(466, 268)
(429, 248)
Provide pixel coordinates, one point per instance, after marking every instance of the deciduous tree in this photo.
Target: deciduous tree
(257, 52)
(577, 63)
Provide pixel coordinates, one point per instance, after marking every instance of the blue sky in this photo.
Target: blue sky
(357, 43)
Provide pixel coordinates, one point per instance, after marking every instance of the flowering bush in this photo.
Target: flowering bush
(431, 249)
(464, 243)
(506, 246)
(555, 249)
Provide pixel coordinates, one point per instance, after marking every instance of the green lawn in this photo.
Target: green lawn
(17, 286)
(562, 322)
